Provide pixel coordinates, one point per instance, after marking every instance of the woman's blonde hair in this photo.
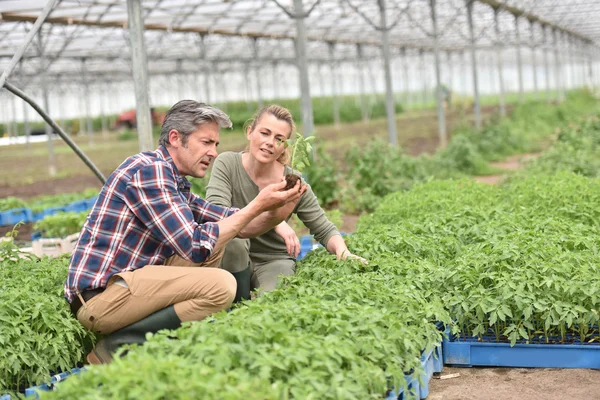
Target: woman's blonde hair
(282, 114)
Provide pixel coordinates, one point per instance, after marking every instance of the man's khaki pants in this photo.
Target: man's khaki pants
(131, 296)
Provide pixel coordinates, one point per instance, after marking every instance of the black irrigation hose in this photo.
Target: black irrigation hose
(17, 92)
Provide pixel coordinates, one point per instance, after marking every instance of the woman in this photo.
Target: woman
(237, 178)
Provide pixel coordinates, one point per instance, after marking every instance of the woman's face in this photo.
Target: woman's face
(268, 138)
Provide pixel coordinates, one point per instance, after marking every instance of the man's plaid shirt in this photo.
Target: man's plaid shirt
(145, 213)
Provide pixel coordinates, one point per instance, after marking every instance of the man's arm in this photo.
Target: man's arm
(270, 219)
(153, 197)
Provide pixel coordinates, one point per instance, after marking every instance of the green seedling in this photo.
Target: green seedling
(301, 148)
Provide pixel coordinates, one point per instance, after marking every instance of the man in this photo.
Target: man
(130, 271)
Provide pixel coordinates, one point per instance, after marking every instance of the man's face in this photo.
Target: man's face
(194, 157)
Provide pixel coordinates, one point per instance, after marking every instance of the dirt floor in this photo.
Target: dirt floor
(516, 384)
(513, 163)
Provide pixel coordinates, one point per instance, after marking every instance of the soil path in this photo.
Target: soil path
(512, 163)
(516, 384)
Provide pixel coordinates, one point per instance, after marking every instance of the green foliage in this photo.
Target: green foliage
(61, 224)
(350, 110)
(577, 149)
(301, 149)
(461, 155)
(379, 169)
(323, 178)
(38, 334)
(9, 203)
(199, 185)
(128, 135)
(515, 263)
(526, 126)
(41, 203)
(326, 338)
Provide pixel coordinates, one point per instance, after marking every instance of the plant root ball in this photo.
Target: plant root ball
(291, 180)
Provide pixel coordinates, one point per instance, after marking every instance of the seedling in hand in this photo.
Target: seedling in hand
(301, 148)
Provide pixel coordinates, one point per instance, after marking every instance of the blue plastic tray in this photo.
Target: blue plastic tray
(483, 354)
(5, 397)
(432, 362)
(81, 205)
(48, 211)
(46, 387)
(308, 244)
(14, 216)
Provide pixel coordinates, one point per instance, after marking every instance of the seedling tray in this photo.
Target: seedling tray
(432, 362)
(14, 216)
(33, 392)
(485, 354)
(81, 205)
(48, 211)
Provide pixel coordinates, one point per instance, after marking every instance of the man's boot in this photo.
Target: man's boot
(243, 284)
(133, 334)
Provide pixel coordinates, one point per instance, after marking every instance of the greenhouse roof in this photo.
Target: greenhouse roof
(90, 36)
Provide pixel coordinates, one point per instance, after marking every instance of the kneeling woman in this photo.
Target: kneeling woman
(237, 178)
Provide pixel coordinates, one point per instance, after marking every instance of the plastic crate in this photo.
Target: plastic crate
(14, 216)
(81, 205)
(54, 247)
(432, 362)
(77, 206)
(308, 244)
(486, 354)
(48, 211)
(33, 392)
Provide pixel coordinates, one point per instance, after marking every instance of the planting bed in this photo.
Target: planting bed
(469, 353)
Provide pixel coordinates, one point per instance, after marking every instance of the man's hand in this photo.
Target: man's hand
(273, 196)
(289, 236)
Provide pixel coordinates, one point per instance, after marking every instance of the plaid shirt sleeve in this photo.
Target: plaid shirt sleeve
(152, 195)
(209, 212)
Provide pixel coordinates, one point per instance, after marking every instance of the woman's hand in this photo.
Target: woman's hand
(346, 255)
(292, 243)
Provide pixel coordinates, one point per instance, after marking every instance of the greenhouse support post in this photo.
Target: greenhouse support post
(423, 77)
(179, 80)
(476, 104)
(275, 70)
(14, 132)
(87, 101)
(207, 68)
(257, 70)
(519, 58)
(139, 69)
(51, 157)
(334, 87)
(450, 65)
(389, 92)
(499, 62)
(301, 57)
(557, 72)
(406, 82)
(361, 82)
(439, 95)
(546, 61)
(26, 125)
(533, 57)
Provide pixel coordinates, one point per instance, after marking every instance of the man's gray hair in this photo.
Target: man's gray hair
(186, 116)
